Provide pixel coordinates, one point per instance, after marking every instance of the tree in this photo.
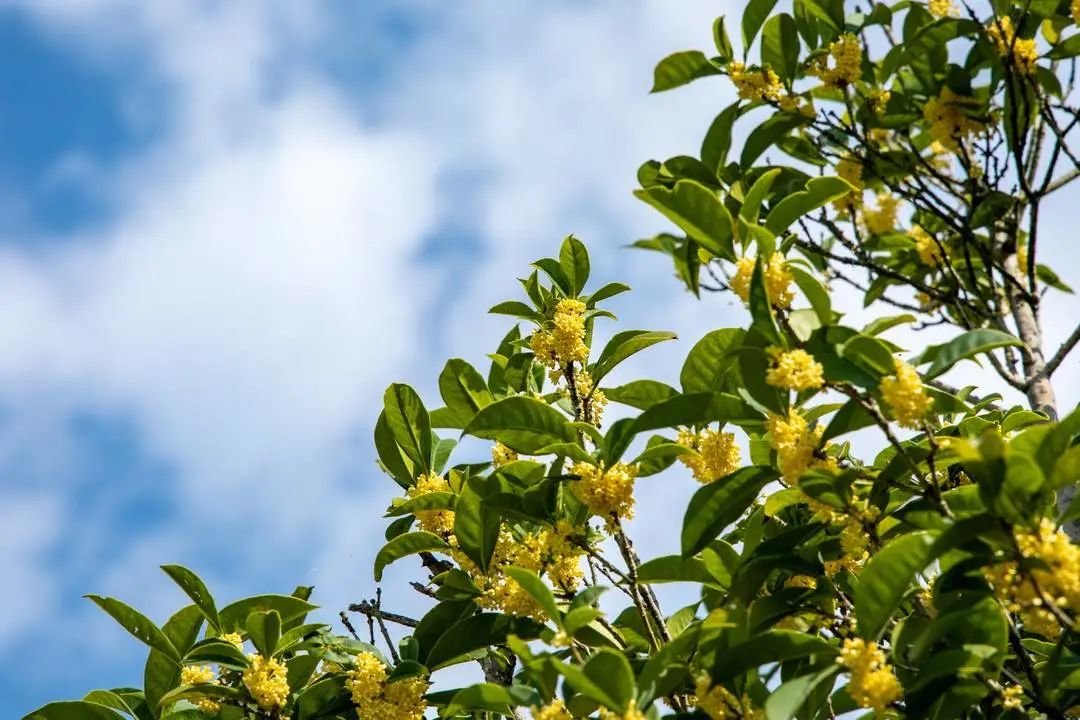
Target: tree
(933, 579)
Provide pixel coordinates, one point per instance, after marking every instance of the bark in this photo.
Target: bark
(1039, 390)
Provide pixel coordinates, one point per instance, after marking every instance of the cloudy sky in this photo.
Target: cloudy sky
(225, 227)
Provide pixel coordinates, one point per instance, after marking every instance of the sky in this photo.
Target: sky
(225, 227)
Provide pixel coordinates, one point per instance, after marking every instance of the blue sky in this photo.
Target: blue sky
(225, 227)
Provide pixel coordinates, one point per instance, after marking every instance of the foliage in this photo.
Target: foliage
(929, 580)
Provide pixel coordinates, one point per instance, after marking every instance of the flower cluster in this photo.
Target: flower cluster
(1007, 45)
(565, 342)
(1056, 579)
(1074, 10)
(592, 401)
(873, 683)
(715, 453)
(849, 168)
(377, 699)
(794, 370)
(940, 8)
(905, 395)
(440, 522)
(883, 218)
(795, 444)
(233, 638)
(949, 119)
(1012, 697)
(926, 246)
(760, 84)
(607, 492)
(846, 54)
(502, 455)
(554, 710)
(778, 280)
(719, 703)
(632, 713)
(200, 675)
(266, 680)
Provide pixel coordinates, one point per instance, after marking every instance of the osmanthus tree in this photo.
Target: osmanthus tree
(910, 148)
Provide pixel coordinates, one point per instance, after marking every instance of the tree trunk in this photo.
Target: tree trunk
(1040, 393)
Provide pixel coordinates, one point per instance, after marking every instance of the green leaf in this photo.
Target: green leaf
(850, 417)
(610, 671)
(761, 305)
(516, 308)
(390, 457)
(675, 568)
(815, 291)
(409, 423)
(194, 692)
(771, 647)
(264, 631)
(523, 424)
(492, 698)
(476, 528)
(766, 135)
(886, 578)
(479, 632)
(696, 210)
(138, 625)
(74, 710)
(965, 346)
(218, 651)
(720, 503)
(681, 68)
(161, 673)
(717, 140)
(624, 344)
(322, 698)
(721, 39)
(706, 368)
(289, 607)
(697, 409)
(574, 259)
(780, 46)
(463, 389)
(554, 270)
(819, 192)
(786, 700)
(537, 588)
(641, 394)
(405, 545)
(751, 205)
(195, 589)
(753, 18)
(607, 291)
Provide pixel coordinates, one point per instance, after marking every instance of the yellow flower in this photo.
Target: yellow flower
(565, 342)
(233, 638)
(719, 703)
(555, 710)
(761, 84)
(926, 246)
(716, 454)
(850, 169)
(949, 123)
(795, 444)
(607, 492)
(1022, 252)
(1056, 573)
(593, 401)
(1012, 697)
(196, 675)
(940, 8)
(905, 395)
(377, 699)
(778, 280)
(1006, 43)
(1074, 10)
(846, 54)
(801, 581)
(440, 522)
(794, 370)
(873, 683)
(877, 100)
(882, 219)
(502, 455)
(265, 679)
(632, 713)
